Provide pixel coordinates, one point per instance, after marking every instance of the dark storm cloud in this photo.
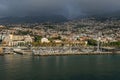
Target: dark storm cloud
(68, 8)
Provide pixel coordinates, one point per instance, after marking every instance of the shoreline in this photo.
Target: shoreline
(92, 53)
(69, 54)
(56, 51)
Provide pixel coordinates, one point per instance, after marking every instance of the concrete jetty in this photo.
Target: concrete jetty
(56, 51)
(23, 52)
(68, 51)
(80, 53)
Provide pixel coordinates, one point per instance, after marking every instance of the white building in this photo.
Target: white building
(44, 40)
(14, 40)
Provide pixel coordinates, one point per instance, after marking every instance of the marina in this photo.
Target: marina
(68, 51)
(59, 51)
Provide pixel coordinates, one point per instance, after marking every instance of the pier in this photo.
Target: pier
(61, 51)
(80, 53)
(23, 52)
(57, 51)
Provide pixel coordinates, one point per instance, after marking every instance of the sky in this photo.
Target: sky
(67, 8)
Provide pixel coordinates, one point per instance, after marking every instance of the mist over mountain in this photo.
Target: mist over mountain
(68, 8)
(21, 11)
(33, 19)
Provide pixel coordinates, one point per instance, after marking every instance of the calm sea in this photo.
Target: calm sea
(84, 67)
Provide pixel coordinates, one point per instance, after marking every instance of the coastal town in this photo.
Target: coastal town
(84, 36)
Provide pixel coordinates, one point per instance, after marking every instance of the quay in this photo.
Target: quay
(23, 52)
(79, 53)
(55, 51)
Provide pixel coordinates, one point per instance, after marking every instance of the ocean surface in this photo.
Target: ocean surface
(84, 67)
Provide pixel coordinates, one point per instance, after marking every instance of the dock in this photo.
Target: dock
(56, 51)
(23, 52)
(80, 53)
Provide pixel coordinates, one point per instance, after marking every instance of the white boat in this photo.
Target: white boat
(87, 50)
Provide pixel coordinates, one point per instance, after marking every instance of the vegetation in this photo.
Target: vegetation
(24, 32)
(112, 44)
(92, 42)
(50, 26)
(37, 38)
(58, 37)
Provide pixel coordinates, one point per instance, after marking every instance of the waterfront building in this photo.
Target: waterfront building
(17, 40)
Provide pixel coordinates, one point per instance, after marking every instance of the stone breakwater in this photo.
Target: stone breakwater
(80, 53)
(59, 51)
(69, 51)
